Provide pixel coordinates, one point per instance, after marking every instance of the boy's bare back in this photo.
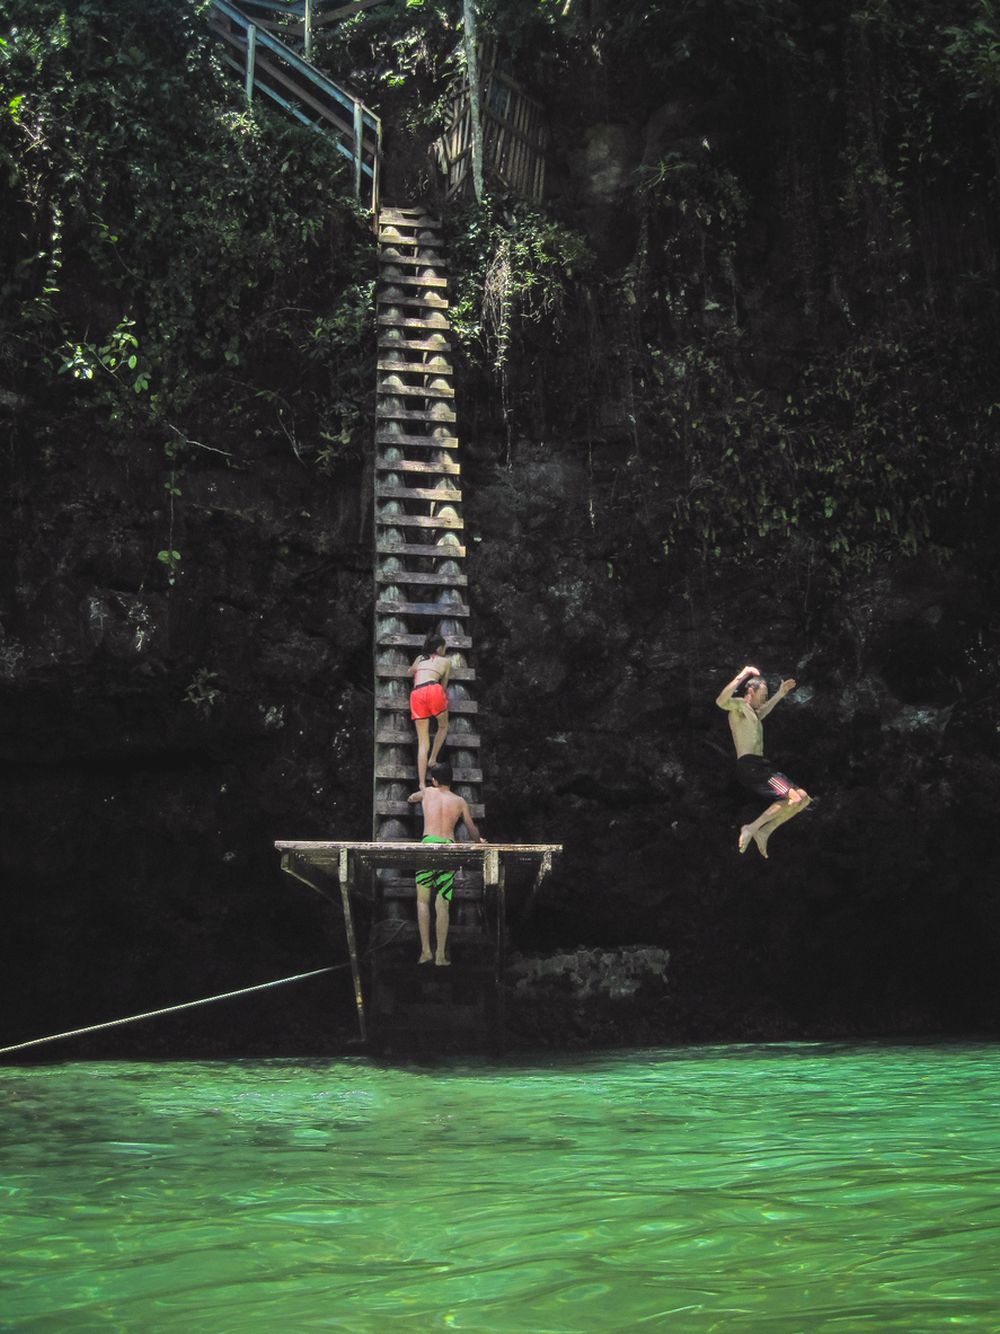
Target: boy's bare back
(442, 811)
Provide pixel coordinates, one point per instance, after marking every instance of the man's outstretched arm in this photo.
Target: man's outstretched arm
(785, 688)
(467, 820)
(726, 699)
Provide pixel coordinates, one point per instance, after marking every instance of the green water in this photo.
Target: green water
(779, 1188)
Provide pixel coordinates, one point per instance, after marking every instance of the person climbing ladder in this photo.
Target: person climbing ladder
(430, 671)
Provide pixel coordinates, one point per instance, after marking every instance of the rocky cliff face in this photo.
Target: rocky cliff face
(157, 738)
(162, 722)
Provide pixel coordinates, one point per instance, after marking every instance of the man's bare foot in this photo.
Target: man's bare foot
(425, 958)
(745, 837)
(442, 963)
(761, 845)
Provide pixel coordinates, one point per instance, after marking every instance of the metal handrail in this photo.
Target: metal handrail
(300, 89)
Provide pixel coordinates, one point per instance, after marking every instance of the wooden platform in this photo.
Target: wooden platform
(371, 883)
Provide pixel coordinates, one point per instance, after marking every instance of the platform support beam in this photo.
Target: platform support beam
(346, 876)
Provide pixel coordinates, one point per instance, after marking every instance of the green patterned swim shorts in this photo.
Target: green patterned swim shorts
(438, 882)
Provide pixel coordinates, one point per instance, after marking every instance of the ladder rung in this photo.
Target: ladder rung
(444, 495)
(445, 468)
(383, 807)
(420, 521)
(416, 344)
(432, 580)
(414, 390)
(436, 417)
(433, 263)
(414, 368)
(391, 705)
(401, 673)
(405, 773)
(429, 302)
(407, 889)
(447, 552)
(426, 242)
(411, 280)
(418, 441)
(444, 610)
(409, 217)
(394, 736)
(408, 322)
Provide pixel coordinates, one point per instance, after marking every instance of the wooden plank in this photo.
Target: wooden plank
(417, 261)
(400, 639)
(394, 736)
(408, 217)
(432, 580)
(444, 496)
(386, 548)
(415, 367)
(416, 441)
(400, 673)
(410, 465)
(405, 773)
(444, 611)
(385, 413)
(397, 852)
(384, 807)
(410, 322)
(414, 390)
(389, 704)
(405, 888)
(420, 521)
(396, 239)
(440, 343)
(408, 280)
(429, 302)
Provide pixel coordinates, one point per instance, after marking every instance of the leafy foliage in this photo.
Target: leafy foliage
(166, 257)
(514, 265)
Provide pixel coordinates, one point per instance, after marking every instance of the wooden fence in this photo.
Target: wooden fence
(515, 133)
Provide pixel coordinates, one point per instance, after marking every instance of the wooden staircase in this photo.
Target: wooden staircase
(420, 585)
(270, 68)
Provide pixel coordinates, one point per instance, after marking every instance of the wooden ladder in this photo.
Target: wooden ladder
(420, 585)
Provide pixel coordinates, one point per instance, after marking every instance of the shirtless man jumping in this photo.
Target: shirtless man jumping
(442, 811)
(746, 714)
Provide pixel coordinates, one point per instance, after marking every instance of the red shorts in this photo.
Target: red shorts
(428, 701)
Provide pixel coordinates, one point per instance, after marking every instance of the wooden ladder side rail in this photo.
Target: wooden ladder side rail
(315, 878)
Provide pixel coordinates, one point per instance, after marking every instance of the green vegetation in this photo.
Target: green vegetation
(791, 344)
(168, 262)
(815, 287)
(513, 264)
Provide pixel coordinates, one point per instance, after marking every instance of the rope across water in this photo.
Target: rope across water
(169, 1009)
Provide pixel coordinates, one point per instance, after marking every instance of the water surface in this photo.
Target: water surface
(812, 1187)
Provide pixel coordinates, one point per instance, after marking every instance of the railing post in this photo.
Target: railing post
(377, 173)
(307, 44)
(359, 130)
(251, 61)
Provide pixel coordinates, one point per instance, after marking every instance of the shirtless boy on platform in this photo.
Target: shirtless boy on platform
(746, 714)
(442, 811)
